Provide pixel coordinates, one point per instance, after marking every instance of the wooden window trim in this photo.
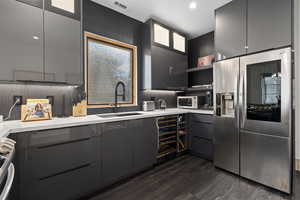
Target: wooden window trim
(88, 35)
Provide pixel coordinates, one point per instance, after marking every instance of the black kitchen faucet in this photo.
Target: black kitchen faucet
(119, 95)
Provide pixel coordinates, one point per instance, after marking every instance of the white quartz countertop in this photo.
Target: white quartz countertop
(17, 126)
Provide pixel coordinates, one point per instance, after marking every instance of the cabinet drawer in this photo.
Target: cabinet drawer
(49, 160)
(201, 118)
(73, 184)
(202, 148)
(203, 130)
(114, 126)
(60, 136)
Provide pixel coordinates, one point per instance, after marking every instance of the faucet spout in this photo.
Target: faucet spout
(120, 83)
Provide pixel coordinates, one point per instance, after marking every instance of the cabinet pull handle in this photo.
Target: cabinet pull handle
(62, 143)
(64, 172)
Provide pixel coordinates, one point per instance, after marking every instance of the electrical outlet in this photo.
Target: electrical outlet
(20, 100)
(51, 100)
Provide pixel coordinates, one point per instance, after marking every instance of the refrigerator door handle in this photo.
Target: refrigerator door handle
(244, 108)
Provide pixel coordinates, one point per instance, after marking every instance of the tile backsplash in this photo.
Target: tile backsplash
(62, 94)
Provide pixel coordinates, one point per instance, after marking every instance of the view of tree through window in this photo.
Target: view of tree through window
(107, 64)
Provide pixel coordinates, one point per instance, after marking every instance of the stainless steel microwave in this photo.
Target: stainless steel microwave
(190, 102)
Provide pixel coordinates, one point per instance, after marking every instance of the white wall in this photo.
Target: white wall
(297, 74)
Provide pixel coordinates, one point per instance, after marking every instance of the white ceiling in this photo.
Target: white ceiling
(175, 13)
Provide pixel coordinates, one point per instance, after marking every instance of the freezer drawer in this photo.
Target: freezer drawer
(266, 160)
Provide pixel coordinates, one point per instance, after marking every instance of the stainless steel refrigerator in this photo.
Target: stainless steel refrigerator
(253, 117)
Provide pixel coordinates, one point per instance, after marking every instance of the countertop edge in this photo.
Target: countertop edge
(7, 128)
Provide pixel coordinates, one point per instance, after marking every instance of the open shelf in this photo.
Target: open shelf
(195, 89)
(195, 69)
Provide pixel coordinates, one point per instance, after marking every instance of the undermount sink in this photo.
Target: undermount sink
(119, 115)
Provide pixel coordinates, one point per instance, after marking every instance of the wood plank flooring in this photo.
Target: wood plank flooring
(191, 178)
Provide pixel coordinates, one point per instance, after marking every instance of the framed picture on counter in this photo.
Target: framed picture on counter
(36, 109)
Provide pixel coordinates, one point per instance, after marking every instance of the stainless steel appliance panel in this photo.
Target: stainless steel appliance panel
(226, 74)
(226, 144)
(265, 121)
(259, 111)
(226, 132)
(266, 159)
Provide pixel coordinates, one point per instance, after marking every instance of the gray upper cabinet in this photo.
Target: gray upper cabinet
(164, 68)
(230, 30)
(249, 26)
(269, 24)
(62, 49)
(39, 44)
(168, 69)
(21, 41)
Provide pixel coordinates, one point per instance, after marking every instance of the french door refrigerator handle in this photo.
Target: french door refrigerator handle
(243, 99)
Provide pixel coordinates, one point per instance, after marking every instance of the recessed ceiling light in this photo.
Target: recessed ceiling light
(193, 5)
(35, 37)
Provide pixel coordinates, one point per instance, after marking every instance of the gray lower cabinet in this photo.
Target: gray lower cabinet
(57, 164)
(269, 24)
(128, 147)
(144, 143)
(201, 135)
(69, 163)
(62, 49)
(21, 41)
(117, 152)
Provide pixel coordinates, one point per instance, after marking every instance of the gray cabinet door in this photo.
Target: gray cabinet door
(21, 41)
(269, 24)
(168, 69)
(230, 30)
(57, 164)
(201, 135)
(117, 156)
(144, 143)
(62, 49)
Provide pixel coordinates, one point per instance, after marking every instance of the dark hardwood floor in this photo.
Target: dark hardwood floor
(191, 178)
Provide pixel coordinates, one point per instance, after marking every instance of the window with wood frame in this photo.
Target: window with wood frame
(108, 62)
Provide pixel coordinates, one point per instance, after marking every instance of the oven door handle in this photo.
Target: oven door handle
(9, 182)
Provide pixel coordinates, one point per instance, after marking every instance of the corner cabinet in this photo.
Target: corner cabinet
(249, 26)
(163, 67)
(39, 44)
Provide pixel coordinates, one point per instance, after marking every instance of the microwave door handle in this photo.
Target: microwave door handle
(9, 182)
